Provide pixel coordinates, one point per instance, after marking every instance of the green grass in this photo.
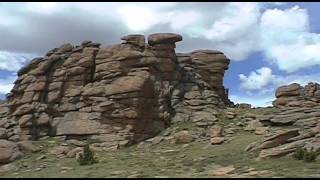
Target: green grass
(196, 160)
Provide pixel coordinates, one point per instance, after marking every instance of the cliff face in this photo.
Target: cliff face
(119, 94)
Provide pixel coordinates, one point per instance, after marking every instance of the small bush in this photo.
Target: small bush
(87, 157)
(299, 154)
(310, 156)
(303, 154)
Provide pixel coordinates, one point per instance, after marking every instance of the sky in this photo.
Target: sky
(270, 44)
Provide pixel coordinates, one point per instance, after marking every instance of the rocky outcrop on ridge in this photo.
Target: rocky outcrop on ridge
(200, 89)
(295, 107)
(294, 95)
(116, 95)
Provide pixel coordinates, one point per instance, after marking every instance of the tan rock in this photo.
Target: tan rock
(261, 130)
(9, 151)
(183, 137)
(3, 133)
(216, 131)
(164, 38)
(253, 125)
(43, 119)
(217, 140)
(135, 39)
(65, 48)
(24, 109)
(73, 153)
(39, 86)
(27, 146)
(223, 171)
(76, 142)
(58, 150)
(279, 138)
(290, 90)
(118, 94)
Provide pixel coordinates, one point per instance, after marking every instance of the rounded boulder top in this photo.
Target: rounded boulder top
(164, 38)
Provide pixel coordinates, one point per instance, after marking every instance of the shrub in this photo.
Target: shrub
(303, 154)
(87, 156)
(310, 156)
(299, 154)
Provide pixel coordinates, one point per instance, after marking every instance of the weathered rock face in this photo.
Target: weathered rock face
(295, 106)
(285, 142)
(120, 94)
(9, 151)
(294, 95)
(201, 86)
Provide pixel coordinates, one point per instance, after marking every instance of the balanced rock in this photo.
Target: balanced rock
(164, 38)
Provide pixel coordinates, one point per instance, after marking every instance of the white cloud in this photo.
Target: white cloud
(12, 61)
(264, 81)
(231, 27)
(237, 29)
(6, 84)
(138, 18)
(300, 79)
(257, 80)
(259, 87)
(181, 19)
(256, 101)
(43, 7)
(287, 41)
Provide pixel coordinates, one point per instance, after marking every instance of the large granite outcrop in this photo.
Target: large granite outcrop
(119, 94)
(295, 95)
(295, 106)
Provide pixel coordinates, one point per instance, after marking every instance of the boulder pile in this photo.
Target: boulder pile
(294, 95)
(295, 107)
(117, 95)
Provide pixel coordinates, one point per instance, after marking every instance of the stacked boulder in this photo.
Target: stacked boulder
(201, 87)
(8, 148)
(295, 106)
(294, 95)
(286, 142)
(117, 95)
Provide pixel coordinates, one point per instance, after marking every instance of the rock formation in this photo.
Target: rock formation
(295, 106)
(200, 89)
(116, 95)
(294, 95)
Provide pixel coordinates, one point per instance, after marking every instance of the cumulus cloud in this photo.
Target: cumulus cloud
(230, 27)
(6, 84)
(263, 82)
(12, 61)
(256, 101)
(237, 29)
(287, 41)
(300, 79)
(258, 88)
(257, 79)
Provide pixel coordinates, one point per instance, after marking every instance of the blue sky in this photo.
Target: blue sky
(269, 44)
